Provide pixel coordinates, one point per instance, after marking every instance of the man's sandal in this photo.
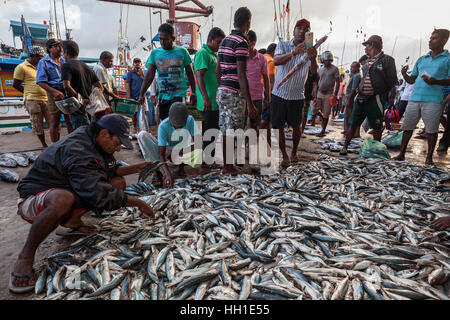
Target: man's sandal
(16, 289)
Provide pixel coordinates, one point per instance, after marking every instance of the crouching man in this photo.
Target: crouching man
(170, 147)
(73, 176)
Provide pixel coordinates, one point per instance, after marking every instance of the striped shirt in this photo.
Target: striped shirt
(233, 48)
(294, 88)
(367, 86)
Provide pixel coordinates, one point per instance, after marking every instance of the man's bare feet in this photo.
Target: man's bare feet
(230, 171)
(294, 158)
(285, 163)
(343, 152)
(399, 158)
(429, 162)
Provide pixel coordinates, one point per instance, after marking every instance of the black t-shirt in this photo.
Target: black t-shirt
(81, 77)
(309, 85)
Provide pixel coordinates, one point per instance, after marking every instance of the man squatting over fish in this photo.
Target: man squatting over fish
(72, 177)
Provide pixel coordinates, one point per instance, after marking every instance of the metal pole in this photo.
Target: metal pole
(165, 6)
(151, 30)
(58, 34)
(172, 10)
(126, 25)
(345, 41)
(395, 43)
(231, 14)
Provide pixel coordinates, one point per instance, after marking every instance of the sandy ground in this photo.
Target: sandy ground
(13, 230)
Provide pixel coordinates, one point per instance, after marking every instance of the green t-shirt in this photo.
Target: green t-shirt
(206, 59)
(170, 65)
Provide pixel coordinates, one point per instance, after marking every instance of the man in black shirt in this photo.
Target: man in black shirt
(78, 78)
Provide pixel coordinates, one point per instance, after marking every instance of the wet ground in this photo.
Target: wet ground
(13, 230)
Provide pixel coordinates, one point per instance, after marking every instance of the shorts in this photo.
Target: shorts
(232, 108)
(164, 106)
(369, 109)
(430, 112)
(51, 105)
(285, 111)
(402, 108)
(38, 111)
(256, 122)
(32, 206)
(322, 103)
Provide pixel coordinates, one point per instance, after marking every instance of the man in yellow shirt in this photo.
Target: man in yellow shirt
(35, 98)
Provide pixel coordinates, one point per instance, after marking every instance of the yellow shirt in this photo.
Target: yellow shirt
(26, 73)
(272, 70)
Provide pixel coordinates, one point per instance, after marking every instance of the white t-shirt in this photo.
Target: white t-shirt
(407, 92)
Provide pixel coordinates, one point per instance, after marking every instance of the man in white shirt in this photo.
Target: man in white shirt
(100, 70)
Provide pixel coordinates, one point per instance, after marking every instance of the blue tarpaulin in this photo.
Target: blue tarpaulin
(38, 31)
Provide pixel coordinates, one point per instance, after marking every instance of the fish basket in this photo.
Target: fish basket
(124, 106)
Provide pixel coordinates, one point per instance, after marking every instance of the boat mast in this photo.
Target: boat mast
(58, 34)
(51, 34)
(68, 37)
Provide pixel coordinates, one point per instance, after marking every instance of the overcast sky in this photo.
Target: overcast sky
(95, 24)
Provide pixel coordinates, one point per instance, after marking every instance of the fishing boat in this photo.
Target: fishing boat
(13, 115)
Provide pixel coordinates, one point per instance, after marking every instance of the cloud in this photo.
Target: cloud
(96, 26)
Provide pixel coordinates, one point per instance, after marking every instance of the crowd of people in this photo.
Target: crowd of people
(233, 84)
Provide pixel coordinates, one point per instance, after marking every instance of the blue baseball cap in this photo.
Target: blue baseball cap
(118, 126)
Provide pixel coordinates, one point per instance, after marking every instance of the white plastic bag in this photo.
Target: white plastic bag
(97, 102)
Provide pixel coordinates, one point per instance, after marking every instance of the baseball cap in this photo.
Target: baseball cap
(118, 126)
(374, 38)
(52, 42)
(178, 114)
(303, 21)
(36, 51)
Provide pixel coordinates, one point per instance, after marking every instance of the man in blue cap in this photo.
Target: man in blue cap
(73, 176)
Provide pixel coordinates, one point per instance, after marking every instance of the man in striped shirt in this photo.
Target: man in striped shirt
(288, 100)
(233, 95)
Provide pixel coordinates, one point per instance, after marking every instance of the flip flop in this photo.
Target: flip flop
(68, 232)
(16, 289)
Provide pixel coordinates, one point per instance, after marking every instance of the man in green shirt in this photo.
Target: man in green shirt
(205, 63)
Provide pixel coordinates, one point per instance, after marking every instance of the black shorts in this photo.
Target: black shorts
(285, 111)
(164, 107)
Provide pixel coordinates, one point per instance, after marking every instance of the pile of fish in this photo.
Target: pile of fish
(12, 160)
(331, 229)
(336, 146)
(314, 131)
